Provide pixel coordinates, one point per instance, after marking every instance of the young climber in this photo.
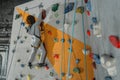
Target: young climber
(34, 30)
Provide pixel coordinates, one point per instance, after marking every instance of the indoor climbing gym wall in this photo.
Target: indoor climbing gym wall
(80, 39)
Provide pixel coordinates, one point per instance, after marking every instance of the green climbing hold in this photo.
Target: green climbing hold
(55, 39)
(18, 37)
(55, 7)
(13, 50)
(18, 60)
(21, 41)
(25, 37)
(80, 10)
(63, 74)
(51, 74)
(76, 70)
(28, 51)
(17, 16)
(26, 9)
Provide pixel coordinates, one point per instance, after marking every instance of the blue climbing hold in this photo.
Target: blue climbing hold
(88, 5)
(91, 26)
(94, 20)
(22, 24)
(62, 40)
(22, 65)
(77, 61)
(57, 22)
(96, 59)
(70, 41)
(70, 50)
(69, 8)
(108, 78)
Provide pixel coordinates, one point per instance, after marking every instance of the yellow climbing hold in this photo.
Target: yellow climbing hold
(37, 67)
(28, 77)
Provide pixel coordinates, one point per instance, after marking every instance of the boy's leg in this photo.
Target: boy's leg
(34, 51)
(43, 55)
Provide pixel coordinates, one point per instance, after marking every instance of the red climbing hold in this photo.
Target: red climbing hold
(56, 56)
(46, 67)
(49, 32)
(88, 32)
(91, 55)
(85, 1)
(88, 13)
(115, 41)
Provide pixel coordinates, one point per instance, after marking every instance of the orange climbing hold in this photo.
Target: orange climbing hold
(88, 33)
(115, 41)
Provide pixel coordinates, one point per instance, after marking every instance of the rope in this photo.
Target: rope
(15, 49)
(85, 61)
(73, 24)
(62, 50)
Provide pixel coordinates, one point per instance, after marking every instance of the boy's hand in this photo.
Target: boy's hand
(43, 14)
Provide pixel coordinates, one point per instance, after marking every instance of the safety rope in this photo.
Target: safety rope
(72, 35)
(85, 61)
(62, 50)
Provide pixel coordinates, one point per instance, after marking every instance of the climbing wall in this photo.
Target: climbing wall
(81, 65)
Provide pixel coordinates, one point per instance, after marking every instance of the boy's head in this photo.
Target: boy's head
(30, 20)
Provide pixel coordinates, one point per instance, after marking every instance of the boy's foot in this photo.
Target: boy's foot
(30, 65)
(41, 64)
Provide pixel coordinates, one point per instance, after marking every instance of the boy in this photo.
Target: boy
(34, 30)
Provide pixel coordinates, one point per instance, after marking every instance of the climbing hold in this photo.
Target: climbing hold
(18, 37)
(28, 77)
(108, 78)
(63, 74)
(57, 22)
(94, 65)
(38, 56)
(17, 16)
(21, 75)
(18, 60)
(13, 51)
(16, 79)
(76, 70)
(115, 41)
(77, 61)
(88, 13)
(15, 42)
(80, 10)
(27, 51)
(26, 9)
(55, 7)
(88, 5)
(37, 67)
(56, 15)
(49, 32)
(55, 39)
(69, 41)
(22, 24)
(96, 58)
(25, 37)
(85, 1)
(41, 5)
(91, 26)
(21, 41)
(62, 40)
(46, 67)
(22, 65)
(88, 33)
(69, 76)
(94, 78)
(66, 26)
(69, 8)
(70, 50)
(51, 74)
(85, 51)
(94, 20)
(56, 56)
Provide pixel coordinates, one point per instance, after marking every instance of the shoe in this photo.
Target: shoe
(41, 64)
(30, 65)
